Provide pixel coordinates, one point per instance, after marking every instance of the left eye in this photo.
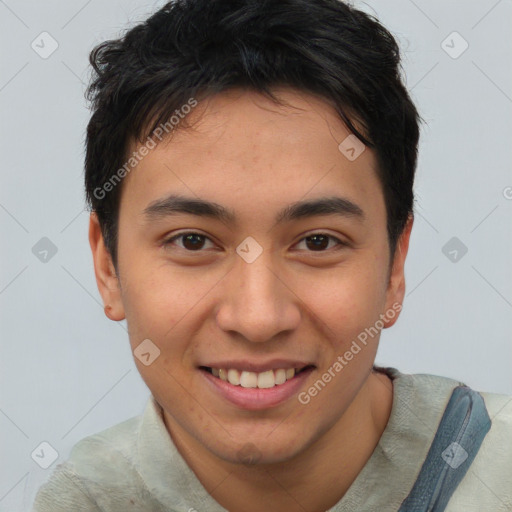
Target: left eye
(317, 242)
(320, 241)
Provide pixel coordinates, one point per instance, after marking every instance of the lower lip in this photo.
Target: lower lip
(255, 399)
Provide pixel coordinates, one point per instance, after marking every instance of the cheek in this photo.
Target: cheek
(345, 300)
(158, 301)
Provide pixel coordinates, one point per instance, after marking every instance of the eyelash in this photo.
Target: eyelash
(169, 241)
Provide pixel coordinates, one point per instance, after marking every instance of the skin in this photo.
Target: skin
(255, 157)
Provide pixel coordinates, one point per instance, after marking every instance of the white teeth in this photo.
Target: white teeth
(249, 380)
(233, 377)
(263, 380)
(280, 377)
(266, 379)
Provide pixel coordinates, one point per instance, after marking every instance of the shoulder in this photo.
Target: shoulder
(426, 394)
(489, 479)
(487, 484)
(112, 447)
(100, 474)
(436, 390)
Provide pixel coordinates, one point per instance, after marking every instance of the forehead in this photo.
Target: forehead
(240, 144)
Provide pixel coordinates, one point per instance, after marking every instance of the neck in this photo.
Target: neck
(317, 478)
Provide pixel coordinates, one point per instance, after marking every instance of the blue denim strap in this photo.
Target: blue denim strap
(462, 429)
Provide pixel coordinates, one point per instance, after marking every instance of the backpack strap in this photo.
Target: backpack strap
(462, 429)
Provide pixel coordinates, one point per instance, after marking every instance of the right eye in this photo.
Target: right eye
(192, 241)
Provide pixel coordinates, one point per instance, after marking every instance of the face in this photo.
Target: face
(258, 286)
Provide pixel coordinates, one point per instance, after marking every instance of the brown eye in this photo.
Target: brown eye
(190, 241)
(193, 242)
(319, 242)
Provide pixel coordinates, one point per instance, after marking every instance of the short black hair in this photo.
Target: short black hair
(198, 48)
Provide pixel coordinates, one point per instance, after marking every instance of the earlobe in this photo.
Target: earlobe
(109, 313)
(396, 286)
(106, 278)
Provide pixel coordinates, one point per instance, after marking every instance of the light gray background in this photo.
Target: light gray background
(67, 371)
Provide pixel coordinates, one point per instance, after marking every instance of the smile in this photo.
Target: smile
(262, 380)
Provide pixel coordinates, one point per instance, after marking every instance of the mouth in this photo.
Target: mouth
(262, 380)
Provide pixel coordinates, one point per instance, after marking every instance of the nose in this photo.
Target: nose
(257, 303)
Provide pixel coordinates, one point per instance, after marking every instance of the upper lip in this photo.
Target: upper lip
(258, 367)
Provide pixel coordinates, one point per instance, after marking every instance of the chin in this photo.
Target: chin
(263, 449)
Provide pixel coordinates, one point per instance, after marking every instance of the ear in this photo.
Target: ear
(396, 285)
(106, 278)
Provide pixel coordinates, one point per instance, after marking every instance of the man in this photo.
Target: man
(250, 168)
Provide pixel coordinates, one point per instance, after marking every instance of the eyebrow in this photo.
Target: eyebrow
(175, 204)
